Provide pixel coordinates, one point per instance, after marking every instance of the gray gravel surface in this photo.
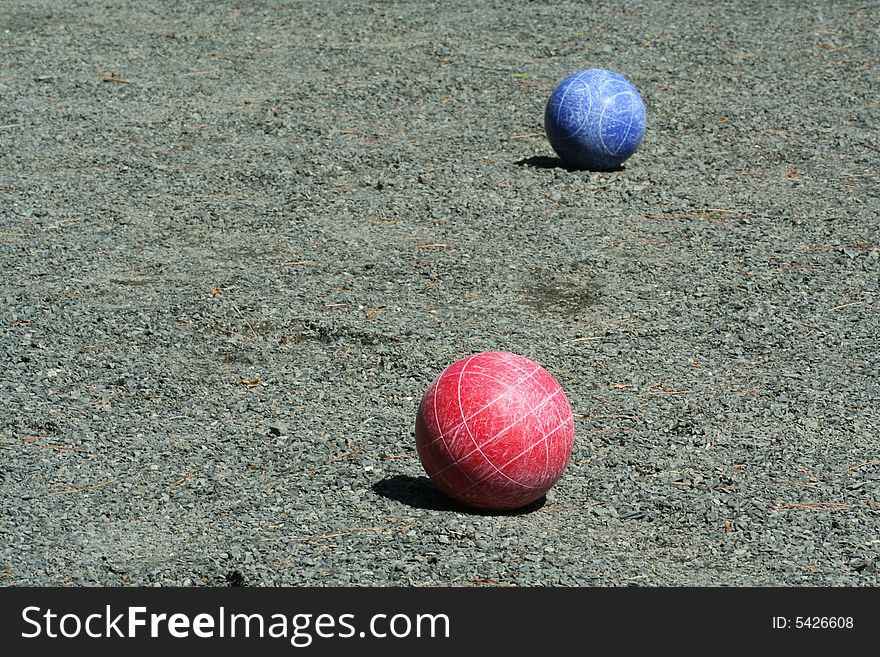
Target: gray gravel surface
(239, 239)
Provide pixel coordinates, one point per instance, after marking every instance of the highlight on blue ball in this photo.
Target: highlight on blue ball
(595, 119)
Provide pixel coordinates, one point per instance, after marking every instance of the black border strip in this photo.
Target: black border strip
(519, 621)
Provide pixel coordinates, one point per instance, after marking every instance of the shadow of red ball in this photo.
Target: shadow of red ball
(494, 431)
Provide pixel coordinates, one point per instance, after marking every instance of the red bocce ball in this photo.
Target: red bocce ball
(494, 431)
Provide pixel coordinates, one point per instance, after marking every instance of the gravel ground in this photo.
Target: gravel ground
(239, 239)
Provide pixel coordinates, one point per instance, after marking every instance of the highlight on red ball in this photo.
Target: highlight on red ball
(494, 431)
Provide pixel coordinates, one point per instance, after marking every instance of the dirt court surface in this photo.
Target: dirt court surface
(239, 239)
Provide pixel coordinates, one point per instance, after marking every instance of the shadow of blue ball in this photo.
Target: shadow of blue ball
(595, 120)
